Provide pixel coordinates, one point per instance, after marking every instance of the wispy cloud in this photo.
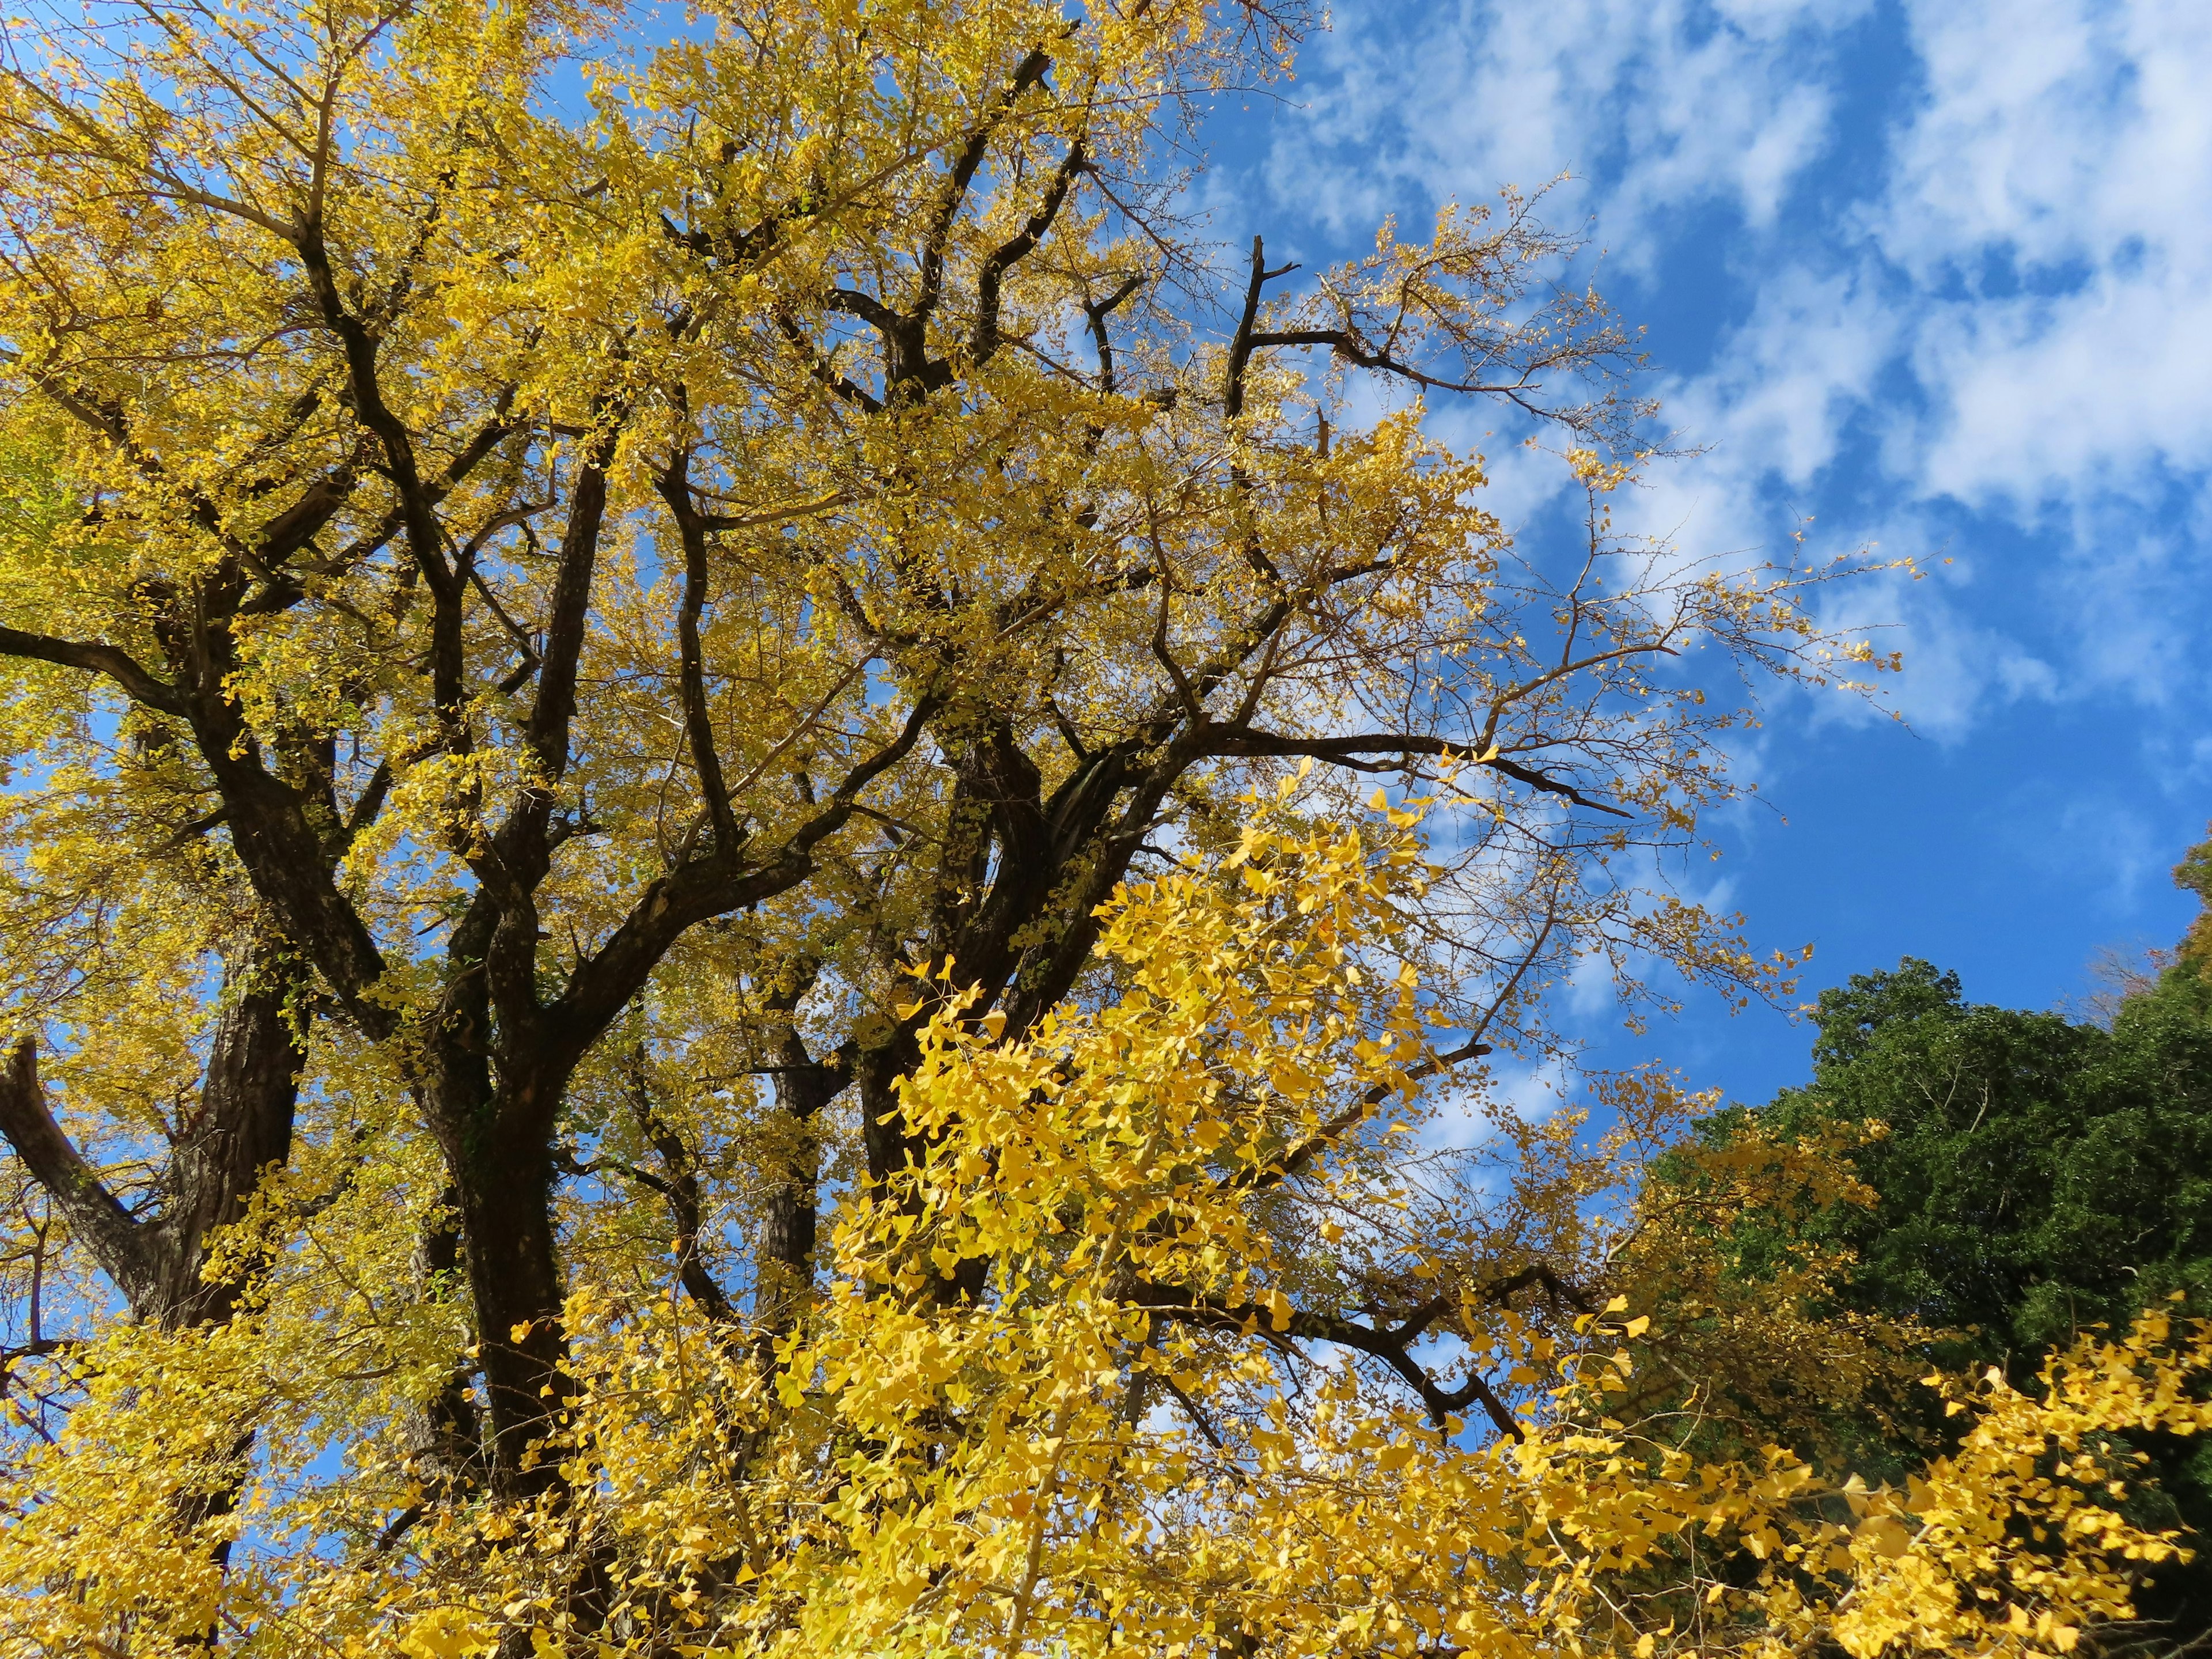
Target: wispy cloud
(1943, 273)
(1656, 106)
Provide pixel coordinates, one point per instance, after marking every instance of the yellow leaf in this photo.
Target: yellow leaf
(448, 1633)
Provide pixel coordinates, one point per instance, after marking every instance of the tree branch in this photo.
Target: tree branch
(1392, 1347)
(1027, 73)
(1241, 344)
(675, 486)
(565, 626)
(715, 885)
(367, 393)
(116, 664)
(1098, 313)
(820, 367)
(118, 1242)
(1346, 751)
(984, 344)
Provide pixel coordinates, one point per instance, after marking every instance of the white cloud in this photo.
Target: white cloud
(1983, 329)
(2049, 200)
(1664, 105)
(1773, 407)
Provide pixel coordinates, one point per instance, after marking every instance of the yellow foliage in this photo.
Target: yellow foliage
(700, 965)
(1136, 1432)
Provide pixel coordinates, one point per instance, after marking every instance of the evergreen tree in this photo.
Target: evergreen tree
(2032, 1177)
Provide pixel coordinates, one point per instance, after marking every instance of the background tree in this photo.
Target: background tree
(2037, 1176)
(2027, 1178)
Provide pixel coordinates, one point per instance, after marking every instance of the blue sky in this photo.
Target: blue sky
(1937, 274)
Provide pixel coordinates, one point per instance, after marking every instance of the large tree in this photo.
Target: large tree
(578, 617)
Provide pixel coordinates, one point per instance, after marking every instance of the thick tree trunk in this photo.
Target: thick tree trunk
(451, 1431)
(783, 1262)
(243, 1129)
(505, 1197)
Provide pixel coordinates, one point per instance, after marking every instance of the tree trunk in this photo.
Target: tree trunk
(242, 1129)
(783, 1263)
(506, 1206)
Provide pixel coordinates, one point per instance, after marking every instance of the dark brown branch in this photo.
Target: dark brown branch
(456, 471)
(739, 249)
(1190, 1409)
(1346, 344)
(566, 624)
(285, 856)
(1392, 1347)
(297, 524)
(1027, 73)
(908, 371)
(868, 308)
(370, 803)
(715, 885)
(1166, 656)
(185, 833)
(242, 1126)
(1241, 343)
(1499, 1292)
(679, 1187)
(907, 368)
(783, 1277)
(1300, 1157)
(1394, 746)
(1097, 313)
(984, 344)
(824, 372)
(366, 394)
(116, 664)
(675, 487)
(121, 1244)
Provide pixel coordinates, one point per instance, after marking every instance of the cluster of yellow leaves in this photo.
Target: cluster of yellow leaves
(1117, 1446)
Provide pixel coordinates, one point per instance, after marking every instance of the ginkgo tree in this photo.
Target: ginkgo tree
(699, 956)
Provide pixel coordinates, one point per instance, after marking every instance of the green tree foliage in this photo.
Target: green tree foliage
(2032, 1178)
(2036, 1176)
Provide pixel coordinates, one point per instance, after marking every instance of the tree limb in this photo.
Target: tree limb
(984, 343)
(1346, 751)
(675, 487)
(116, 664)
(121, 1244)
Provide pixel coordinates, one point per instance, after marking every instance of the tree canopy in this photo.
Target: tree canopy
(2037, 1176)
(703, 961)
(2026, 1177)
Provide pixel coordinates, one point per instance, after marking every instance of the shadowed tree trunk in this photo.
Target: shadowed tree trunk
(241, 1129)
